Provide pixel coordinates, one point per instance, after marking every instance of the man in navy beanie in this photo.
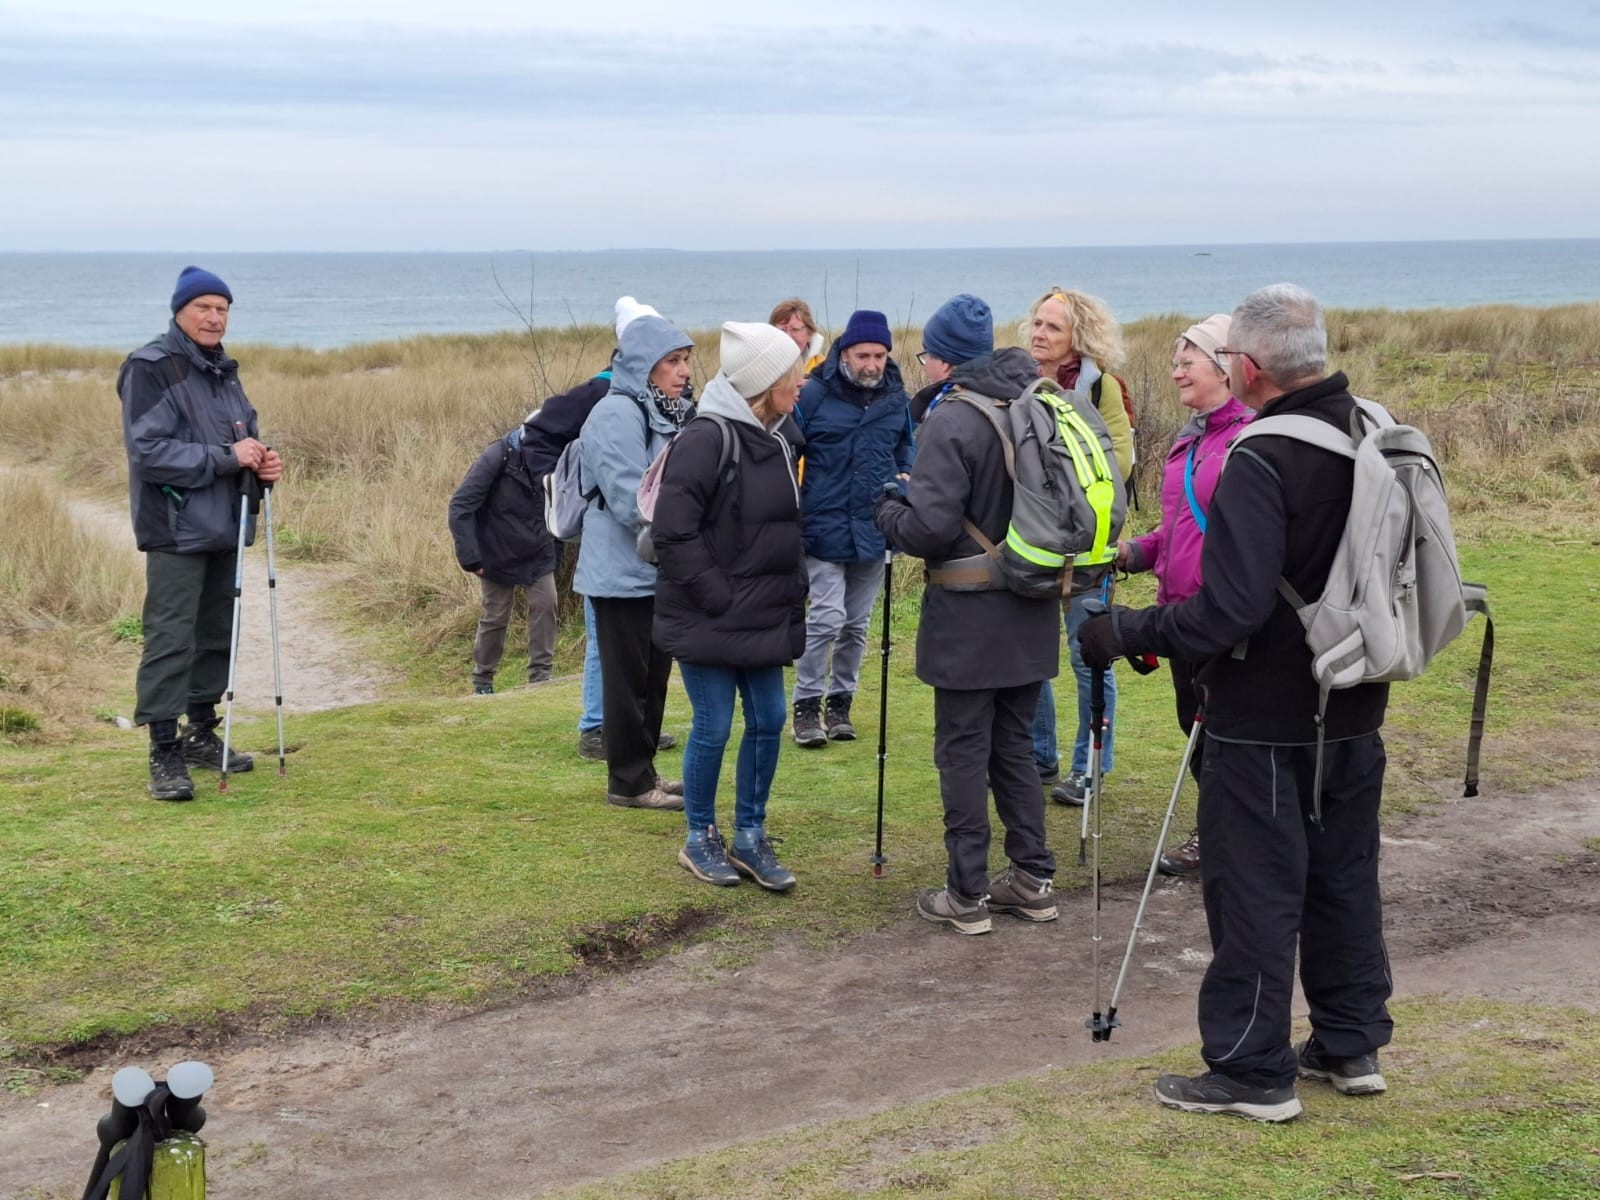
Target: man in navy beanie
(984, 651)
(854, 413)
(192, 441)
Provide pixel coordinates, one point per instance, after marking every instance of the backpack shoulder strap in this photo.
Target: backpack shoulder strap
(1301, 429)
(991, 411)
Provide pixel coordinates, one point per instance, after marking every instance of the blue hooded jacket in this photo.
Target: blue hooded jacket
(620, 439)
(857, 439)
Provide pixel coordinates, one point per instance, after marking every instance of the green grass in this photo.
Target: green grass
(456, 850)
(1486, 1100)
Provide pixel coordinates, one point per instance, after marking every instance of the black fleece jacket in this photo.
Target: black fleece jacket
(970, 640)
(1279, 509)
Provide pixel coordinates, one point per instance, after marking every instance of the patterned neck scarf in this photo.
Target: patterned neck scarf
(670, 407)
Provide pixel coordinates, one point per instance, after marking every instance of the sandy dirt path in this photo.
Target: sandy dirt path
(1492, 896)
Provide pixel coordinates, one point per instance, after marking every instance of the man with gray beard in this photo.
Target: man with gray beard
(856, 418)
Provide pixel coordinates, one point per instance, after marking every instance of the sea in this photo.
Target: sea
(324, 300)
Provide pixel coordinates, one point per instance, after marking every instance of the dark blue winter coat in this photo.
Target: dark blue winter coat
(182, 410)
(857, 439)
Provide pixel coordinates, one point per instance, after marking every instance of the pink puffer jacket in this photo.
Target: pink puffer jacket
(1172, 550)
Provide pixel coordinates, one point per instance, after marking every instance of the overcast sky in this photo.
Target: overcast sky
(479, 124)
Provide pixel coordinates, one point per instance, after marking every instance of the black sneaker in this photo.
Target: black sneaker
(1350, 1076)
(808, 731)
(836, 718)
(169, 777)
(1216, 1093)
(592, 744)
(203, 748)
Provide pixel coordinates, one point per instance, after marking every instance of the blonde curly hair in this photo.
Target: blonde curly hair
(1094, 330)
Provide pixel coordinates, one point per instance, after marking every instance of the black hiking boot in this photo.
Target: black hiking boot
(1217, 1093)
(808, 731)
(203, 748)
(1350, 1076)
(169, 777)
(836, 718)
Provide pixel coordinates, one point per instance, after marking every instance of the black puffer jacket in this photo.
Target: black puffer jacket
(732, 583)
(1279, 509)
(497, 515)
(971, 640)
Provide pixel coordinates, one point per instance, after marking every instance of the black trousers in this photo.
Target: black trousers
(984, 738)
(188, 633)
(633, 674)
(1272, 880)
(1189, 702)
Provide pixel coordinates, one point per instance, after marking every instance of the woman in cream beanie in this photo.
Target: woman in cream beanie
(730, 595)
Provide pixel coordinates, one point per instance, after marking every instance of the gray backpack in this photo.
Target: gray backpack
(1068, 501)
(1394, 596)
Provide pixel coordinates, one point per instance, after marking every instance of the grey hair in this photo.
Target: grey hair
(1281, 327)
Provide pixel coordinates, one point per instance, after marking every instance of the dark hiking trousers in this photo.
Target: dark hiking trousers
(633, 677)
(982, 738)
(188, 629)
(1273, 879)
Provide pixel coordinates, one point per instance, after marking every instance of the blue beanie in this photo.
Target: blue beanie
(192, 282)
(961, 330)
(866, 326)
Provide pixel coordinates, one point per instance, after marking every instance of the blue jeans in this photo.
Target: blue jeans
(711, 691)
(593, 697)
(1044, 721)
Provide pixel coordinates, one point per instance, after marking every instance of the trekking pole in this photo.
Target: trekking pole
(1111, 1023)
(1099, 1030)
(233, 640)
(272, 616)
(878, 860)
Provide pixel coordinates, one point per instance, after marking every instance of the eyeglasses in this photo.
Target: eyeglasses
(1225, 358)
(922, 358)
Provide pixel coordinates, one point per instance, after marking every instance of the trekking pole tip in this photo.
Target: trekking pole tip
(880, 866)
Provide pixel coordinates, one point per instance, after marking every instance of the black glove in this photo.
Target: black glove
(1100, 641)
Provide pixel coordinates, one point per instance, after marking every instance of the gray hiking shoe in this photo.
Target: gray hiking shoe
(654, 798)
(672, 787)
(169, 776)
(808, 731)
(203, 748)
(666, 741)
(944, 907)
(1073, 790)
(1022, 895)
(592, 744)
(1216, 1093)
(1357, 1076)
(836, 718)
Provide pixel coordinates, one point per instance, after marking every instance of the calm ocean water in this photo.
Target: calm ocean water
(322, 300)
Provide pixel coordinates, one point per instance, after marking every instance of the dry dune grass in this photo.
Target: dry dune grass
(377, 436)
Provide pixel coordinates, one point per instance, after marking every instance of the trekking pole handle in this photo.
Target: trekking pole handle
(1142, 663)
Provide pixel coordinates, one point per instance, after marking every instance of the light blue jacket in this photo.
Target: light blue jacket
(620, 439)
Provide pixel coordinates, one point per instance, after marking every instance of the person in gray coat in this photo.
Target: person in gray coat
(985, 653)
(192, 442)
(628, 428)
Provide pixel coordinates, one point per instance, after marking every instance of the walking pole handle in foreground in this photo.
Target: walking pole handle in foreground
(879, 862)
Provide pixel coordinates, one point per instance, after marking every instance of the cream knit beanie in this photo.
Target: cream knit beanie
(755, 356)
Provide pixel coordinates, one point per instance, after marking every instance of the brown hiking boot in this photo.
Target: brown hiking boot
(1023, 895)
(672, 787)
(808, 731)
(654, 798)
(944, 907)
(1182, 859)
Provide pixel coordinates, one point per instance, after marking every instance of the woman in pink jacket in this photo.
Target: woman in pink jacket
(1172, 549)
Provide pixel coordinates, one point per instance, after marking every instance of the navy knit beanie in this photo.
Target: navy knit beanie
(194, 281)
(866, 326)
(961, 330)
